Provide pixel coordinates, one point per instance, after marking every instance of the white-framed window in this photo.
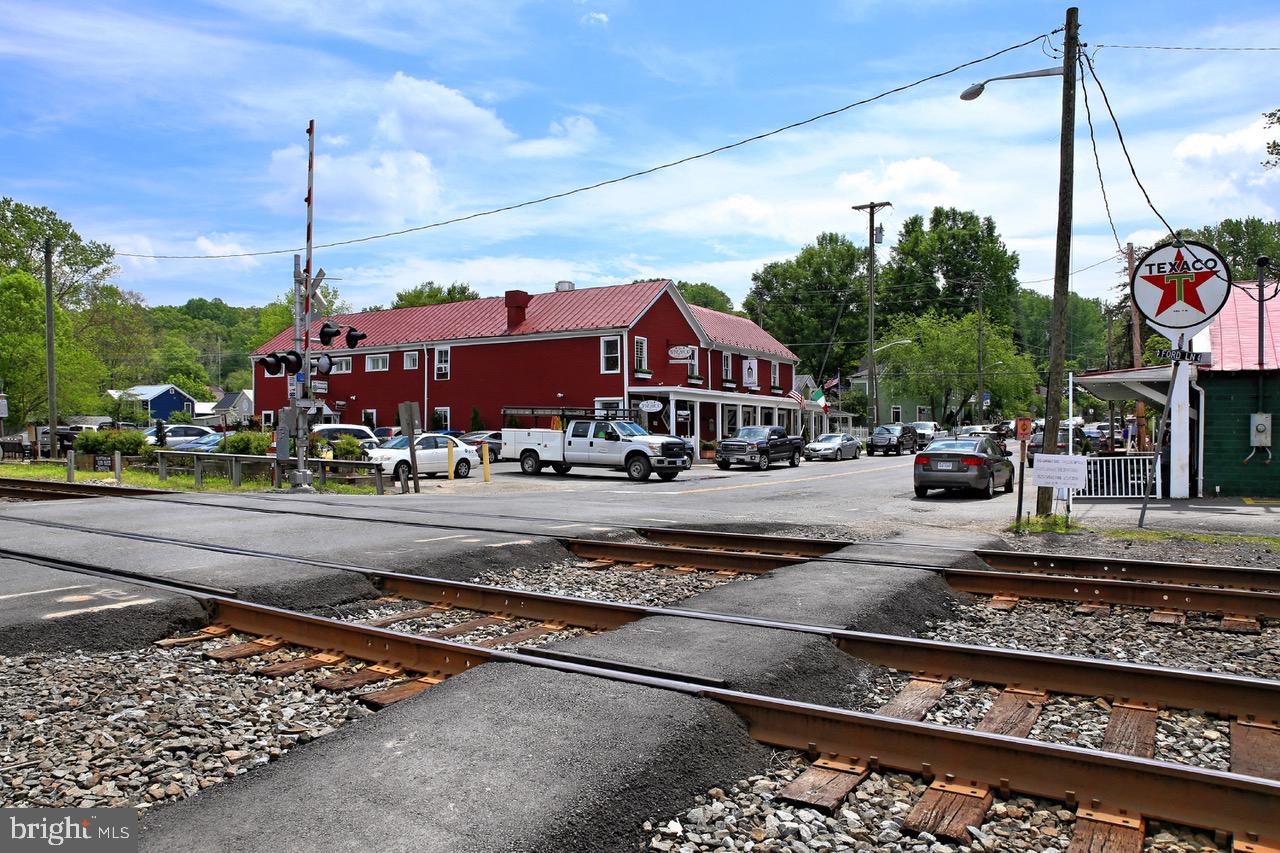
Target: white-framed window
(189, 408)
(377, 363)
(441, 416)
(895, 414)
(693, 362)
(611, 354)
(268, 418)
(444, 360)
(774, 373)
(411, 361)
(341, 365)
(369, 417)
(726, 366)
(922, 413)
(749, 375)
(641, 348)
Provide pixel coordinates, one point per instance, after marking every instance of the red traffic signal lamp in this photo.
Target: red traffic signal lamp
(354, 337)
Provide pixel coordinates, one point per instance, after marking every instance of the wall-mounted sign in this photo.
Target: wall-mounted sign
(749, 368)
(650, 406)
(320, 386)
(1061, 471)
(679, 352)
(1180, 288)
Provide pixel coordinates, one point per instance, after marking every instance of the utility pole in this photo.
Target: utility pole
(302, 478)
(981, 416)
(1135, 327)
(873, 382)
(1111, 405)
(1062, 252)
(51, 376)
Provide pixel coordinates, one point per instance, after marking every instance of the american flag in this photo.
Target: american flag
(795, 395)
(830, 383)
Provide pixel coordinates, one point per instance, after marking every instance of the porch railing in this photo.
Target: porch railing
(1119, 476)
(860, 433)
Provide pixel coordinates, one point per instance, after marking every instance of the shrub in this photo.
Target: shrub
(90, 442)
(477, 422)
(103, 442)
(255, 443)
(129, 442)
(181, 417)
(347, 447)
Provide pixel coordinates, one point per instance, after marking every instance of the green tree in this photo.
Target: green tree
(78, 266)
(1240, 241)
(430, 293)
(192, 385)
(115, 325)
(1086, 329)
(814, 301)
(273, 319)
(945, 265)
(477, 422)
(1273, 145)
(22, 367)
(941, 364)
(706, 295)
(238, 380)
(181, 417)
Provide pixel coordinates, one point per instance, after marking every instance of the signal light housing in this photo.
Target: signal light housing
(323, 364)
(328, 332)
(354, 337)
(271, 364)
(292, 361)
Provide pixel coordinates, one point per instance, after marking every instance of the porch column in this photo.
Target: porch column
(1180, 435)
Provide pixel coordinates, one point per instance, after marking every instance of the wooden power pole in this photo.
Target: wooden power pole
(1140, 408)
(873, 383)
(51, 376)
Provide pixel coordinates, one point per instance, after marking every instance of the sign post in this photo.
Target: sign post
(1179, 288)
(1023, 428)
(410, 422)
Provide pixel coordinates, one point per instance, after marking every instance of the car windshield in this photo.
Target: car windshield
(753, 433)
(829, 438)
(398, 443)
(629, 428)
(960, 446)
(923, 425)
(474, 436)
(888, 430)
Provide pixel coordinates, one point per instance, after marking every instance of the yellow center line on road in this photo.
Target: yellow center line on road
(792, 480)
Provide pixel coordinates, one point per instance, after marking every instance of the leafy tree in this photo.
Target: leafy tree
(941, 365)
(192, 385)
(181, 417)
(706, 295)
(22, 368)
(116, 326)
(238, 380)
(1273, 145)
(79, 267)
(1240, 241)
(815, 300)
(1086, 329)
(945, 264)
(430, 293)
(273, 319)
(477, 422)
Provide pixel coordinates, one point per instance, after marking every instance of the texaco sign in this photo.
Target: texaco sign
(1179, 288)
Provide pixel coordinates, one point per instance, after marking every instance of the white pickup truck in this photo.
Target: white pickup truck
(598, 444)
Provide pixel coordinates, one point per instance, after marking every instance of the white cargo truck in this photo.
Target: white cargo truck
(597, 443)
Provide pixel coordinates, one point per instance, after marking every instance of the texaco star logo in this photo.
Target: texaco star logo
(1179, 288)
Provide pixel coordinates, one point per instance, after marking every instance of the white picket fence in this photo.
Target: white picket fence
(859, 433)
(1119, 476)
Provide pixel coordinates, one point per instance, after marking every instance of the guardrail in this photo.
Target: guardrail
(236, 462)
(1119, 476)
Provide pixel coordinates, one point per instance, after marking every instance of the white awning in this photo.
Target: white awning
(1149, 384)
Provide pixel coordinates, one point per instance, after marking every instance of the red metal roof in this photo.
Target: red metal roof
(734, 331)
(613, 307)
(1233, 337)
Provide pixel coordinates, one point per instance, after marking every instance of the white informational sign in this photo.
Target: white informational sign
(320, 386)
(680, 353)
(1180, 288)
(749, 372)
(650, 406)
(1060, 471)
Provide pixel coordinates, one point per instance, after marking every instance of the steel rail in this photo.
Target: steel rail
(78, 489)
(764, 544)
(666, 555)
(1241, 577)
(37, 494)
(1242, 805)
(1227, 695)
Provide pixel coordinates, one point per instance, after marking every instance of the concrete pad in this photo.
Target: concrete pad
(43, 609)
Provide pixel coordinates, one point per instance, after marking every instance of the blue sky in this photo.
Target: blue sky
(167, 129)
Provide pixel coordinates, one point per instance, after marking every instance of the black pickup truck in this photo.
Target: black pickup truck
(760, 446)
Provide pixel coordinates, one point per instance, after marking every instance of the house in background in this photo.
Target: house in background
(234, 408)
(158, 401)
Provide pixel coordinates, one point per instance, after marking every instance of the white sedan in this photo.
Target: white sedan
(433, 456)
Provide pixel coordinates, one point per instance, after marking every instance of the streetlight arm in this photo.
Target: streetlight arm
(977, 88)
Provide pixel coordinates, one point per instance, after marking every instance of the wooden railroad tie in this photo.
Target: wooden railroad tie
(1104, 832)
(1255, 748)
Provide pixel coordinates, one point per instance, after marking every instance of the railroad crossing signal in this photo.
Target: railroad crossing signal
(289, 362)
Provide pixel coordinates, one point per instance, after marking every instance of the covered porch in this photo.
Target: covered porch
(702, 416)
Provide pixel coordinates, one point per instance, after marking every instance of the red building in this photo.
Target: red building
(604, 347)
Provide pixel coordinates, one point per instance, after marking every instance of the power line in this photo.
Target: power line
(1093, 142)
(1179, 47)
(618, 180)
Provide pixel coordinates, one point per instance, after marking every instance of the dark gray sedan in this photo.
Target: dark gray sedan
(962, 463)
(833, 445)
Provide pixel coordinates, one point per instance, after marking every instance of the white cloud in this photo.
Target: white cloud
(918, 181)
(224, 244)
(571, 135)
(383, 187)
(594, 19)
(686, 67)
(422, 114)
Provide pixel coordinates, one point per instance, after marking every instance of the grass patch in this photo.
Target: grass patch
(1271, 543)
(176, 481)
(1046, 524)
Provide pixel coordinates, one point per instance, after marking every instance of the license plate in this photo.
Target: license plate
(944, 466)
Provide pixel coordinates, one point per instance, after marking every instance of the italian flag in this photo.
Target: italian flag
(819, 398)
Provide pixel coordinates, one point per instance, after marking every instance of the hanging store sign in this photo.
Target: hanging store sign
(649, 406)
(1180, 288)
(680, 353)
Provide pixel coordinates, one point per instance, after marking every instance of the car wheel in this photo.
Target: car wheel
(723, 466)
(463, 469)
(639, 468)
(667, 476)
(763, 464)
(493, 455)
(921, 491)
(871, 451)
(795, 458)
(561, 468)
(529, 463)
(402, 471)
(989, 491)
(857, 452)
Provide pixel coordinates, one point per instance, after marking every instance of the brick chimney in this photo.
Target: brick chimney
(516, 301)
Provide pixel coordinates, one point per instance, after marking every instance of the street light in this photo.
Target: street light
(894, 344)
(1062, 251)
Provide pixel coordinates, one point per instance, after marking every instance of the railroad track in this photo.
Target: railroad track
(46, 490)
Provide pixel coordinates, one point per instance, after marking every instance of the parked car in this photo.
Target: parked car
(598, 443)
(492, 437)
(900, 438)
(203, 444)
(333, 432)
(962, 463)
(926, 431)
(384, 433)
(833, 445)
(432, 452)
(66, 439)
(1037, 444)
(997, 437)
(175, 434)
(759, 446)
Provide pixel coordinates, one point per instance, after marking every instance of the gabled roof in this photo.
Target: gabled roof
(150, 392)
(228, 400)
(1233, 337)
(613, 307)
(730, 330)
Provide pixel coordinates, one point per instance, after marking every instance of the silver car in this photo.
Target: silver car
(962, 463)
(833, 445)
